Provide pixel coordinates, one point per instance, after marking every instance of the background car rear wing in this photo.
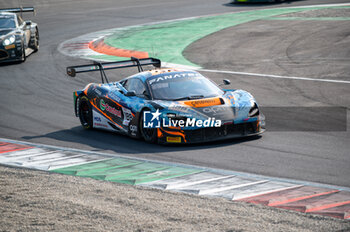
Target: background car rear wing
(134, 62)
(19, 10)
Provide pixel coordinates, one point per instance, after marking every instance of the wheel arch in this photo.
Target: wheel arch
(141, 112)
(153, 138)
(137, 120)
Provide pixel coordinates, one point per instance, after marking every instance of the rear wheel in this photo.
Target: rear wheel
(148, 134)
(85, 112)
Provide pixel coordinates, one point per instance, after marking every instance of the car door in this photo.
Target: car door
(136, 102)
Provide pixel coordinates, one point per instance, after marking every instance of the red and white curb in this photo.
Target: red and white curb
(295, 195)
(41, 158)
(79, 47)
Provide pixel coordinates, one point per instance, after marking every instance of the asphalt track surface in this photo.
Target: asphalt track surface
(36, 96)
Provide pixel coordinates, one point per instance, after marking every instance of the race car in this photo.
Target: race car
(18, 38)
(165, 105)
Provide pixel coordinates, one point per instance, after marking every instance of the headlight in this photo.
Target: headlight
(9, 40)
(254, 111)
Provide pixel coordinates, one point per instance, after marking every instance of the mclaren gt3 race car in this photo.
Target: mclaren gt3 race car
(165, 105)
(18, 38)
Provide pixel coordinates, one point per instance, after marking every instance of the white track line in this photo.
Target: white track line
(320, 5)
(275, 76)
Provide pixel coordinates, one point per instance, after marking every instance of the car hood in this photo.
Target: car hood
(234, 105)
(6, 32)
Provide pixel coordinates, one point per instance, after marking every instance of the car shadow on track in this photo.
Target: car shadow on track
(102, 140)
(10, 63)
(259, 4)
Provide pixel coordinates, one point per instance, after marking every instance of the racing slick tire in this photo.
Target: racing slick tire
(85, 112)
(23, 57)
(34, 41)
(148, 134)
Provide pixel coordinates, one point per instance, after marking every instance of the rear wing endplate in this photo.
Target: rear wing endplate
(134, 62)
(19, 10)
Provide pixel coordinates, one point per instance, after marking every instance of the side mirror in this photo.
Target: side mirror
(28, 23)
(146, 95)
(226, 82)
(130, 94)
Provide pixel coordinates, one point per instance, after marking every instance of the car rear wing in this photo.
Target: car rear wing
(96, 66)
(19, 10)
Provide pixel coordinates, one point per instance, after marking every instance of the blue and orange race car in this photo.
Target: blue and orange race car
(165, 105)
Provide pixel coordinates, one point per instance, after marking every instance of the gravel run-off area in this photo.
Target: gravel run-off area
(40, 201)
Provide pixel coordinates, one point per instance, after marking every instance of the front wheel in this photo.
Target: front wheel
(23, 57)
(35, 43)
(85, 112)
(148, 134)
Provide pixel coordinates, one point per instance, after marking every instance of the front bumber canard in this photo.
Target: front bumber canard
(11, 53)
(209, 134)
(234, 122)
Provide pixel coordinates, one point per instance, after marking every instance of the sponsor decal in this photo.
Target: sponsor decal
(215, 110)
(176, 107)
(102, 105)
(203, 102)
(100, 125)
(77, 104)
(114, 97)
(173, 139)
(152, 120)
(105, 107)
(173, 76)
(133, 129)
(127, 116)
(231, 99)
(98, 91)
(97, 119)
(10, 46)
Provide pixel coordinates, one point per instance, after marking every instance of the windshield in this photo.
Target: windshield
(7, 22)
(182, 86)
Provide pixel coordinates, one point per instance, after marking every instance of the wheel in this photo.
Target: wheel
(23, 57)
(85, 112)
(148, 134)
(35, 42)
